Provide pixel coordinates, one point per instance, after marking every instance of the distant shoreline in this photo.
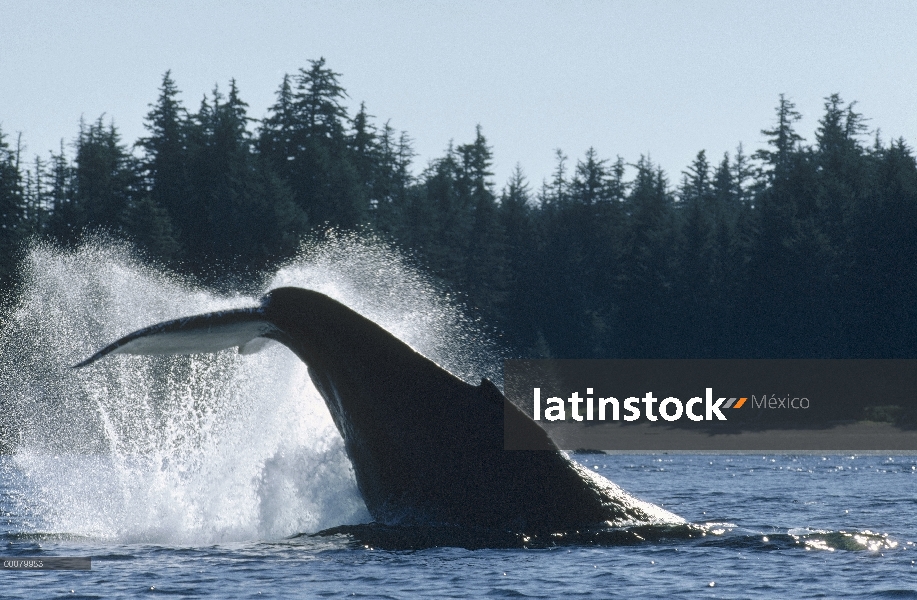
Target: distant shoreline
(859, 437)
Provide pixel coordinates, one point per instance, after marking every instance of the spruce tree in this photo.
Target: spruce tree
(64, 214)
(327, 184)
(105, 179)
(515, 214)
(694, 285)
(444, 233)
(12, 218)
(166, 178)
(391, 182)
(646, 276)
(247, 218)
(485, 260)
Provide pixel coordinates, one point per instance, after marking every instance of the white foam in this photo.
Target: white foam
(203, 448)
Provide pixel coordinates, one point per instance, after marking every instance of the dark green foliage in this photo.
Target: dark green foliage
(580, 230)
(882, 292)
(390, 186)
(60, 208)
(147, 224)
(697, 283)
(227, 208)
(306, 141)
(12, 218)
(105, 178)
(485, 253)
(806, 250)
(515, 214)
(646, 275)
(158, 221)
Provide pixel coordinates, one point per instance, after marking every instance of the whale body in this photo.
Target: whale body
(427, 448)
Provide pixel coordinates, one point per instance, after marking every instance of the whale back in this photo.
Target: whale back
(426, 446)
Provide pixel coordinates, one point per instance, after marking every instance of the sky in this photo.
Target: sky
(663, 78)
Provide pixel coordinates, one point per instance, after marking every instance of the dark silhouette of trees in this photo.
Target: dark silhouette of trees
(159, 219)
(12, 217)
(801, 250)
(305, 138)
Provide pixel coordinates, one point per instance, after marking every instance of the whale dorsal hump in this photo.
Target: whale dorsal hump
(490, 391)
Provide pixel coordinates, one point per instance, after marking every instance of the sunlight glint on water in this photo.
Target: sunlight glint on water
(194, 449)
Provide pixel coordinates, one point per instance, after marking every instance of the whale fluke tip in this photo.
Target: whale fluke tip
(101, 353)
(83, 363)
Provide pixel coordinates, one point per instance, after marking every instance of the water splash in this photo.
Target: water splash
(380, 284)
(193, 449)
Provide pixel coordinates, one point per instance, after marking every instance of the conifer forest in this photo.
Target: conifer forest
(799, 249)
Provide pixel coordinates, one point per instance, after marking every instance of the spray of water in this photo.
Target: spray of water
(202, 448)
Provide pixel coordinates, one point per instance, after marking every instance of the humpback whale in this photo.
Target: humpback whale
(426, 447)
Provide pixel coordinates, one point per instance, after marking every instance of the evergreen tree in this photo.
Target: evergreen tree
(445, 232)
(578, 232)
(792, 260)
(160, 221)
(694, 285)
(246, 217)
(742, 172)
(485, 261)
(12, 218)
(391, 183)
(365, 152)
(36, 201)
(783, 140)
(64, 214)
(105, 179)
(591, 239)
(554, 194)
(522, 300)
(275, 140)
(840, 167)
(305, 140)
(646, 276)
(882, 316)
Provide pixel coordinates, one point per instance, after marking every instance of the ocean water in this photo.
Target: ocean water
(223, 476)
(776, 526)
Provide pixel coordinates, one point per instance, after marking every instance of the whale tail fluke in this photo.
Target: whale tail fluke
(425, 446)
(245, 328)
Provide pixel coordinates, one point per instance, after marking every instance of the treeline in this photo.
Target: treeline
(799, 250)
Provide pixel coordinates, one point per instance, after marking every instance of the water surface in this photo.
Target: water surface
(776, 526)
(209, 475)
